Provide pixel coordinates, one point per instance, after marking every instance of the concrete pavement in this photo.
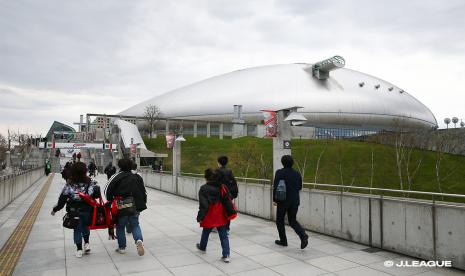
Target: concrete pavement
(170, 234)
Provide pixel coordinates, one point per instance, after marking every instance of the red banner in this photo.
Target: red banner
(170, 140)
(270, 122)
(133, 149)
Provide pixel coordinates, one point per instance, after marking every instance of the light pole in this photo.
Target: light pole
(286, 118)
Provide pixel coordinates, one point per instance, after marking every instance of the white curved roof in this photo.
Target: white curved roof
(338, 101)
(129, 131)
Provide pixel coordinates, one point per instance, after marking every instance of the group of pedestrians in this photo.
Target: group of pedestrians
(216, 208)
(125, 186)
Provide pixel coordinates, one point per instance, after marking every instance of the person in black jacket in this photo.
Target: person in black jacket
(126, 185)
(290, 205)
(228, 179)
(212, 213)
(75, 206)
(110, 170)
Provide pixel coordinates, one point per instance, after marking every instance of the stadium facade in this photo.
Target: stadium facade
(343, 99)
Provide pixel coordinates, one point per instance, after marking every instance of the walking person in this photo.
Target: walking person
(129, 190)
(227, 178)
(78, 182)
(288, 201)
(134, 171)
(212, 213)
(92, 168)
(110, 170)
(48, 167)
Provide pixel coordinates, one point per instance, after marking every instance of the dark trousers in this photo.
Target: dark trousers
(222, 232)
(291, 211)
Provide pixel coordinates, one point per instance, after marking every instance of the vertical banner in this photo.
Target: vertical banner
(170, 140)
(133, 149)
(270, 122)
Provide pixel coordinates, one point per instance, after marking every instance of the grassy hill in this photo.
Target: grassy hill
(340, 162)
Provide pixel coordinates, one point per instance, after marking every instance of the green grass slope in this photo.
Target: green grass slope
(339, 162)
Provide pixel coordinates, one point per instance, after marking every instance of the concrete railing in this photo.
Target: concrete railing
(13, 185)
(424, 229)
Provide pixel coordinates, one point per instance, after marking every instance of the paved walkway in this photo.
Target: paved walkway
(170, 234)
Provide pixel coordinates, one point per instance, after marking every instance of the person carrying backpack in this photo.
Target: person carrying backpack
(286, 187)
(214, 212)
(78, 182)
(129, 192)
(227, 178)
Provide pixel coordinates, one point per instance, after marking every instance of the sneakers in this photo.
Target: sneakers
(225, 259)
(279, 242)
(86, 248)
(79, 254)
(304, 242)
(140, 248)
(121, 250)
(198, 247)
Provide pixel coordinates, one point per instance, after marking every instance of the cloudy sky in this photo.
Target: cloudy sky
(59, 59)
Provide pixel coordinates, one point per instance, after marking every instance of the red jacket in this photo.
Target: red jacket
(211, 210)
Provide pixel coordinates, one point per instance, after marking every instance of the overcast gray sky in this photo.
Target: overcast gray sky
(59, 59)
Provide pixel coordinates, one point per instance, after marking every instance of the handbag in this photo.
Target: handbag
(70, 220)
(229, 207)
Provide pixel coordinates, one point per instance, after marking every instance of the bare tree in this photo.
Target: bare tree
(302, 166)
(318, 161)
(444, 142)
(151, 115)
(372, 170)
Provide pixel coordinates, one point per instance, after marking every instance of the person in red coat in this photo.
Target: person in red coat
(212, 213)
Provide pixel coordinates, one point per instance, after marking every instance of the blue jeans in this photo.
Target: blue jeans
(136, 231)
(222, 232)
(82, 230)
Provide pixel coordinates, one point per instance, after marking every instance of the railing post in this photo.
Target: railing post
(433, 219)
(381, 235)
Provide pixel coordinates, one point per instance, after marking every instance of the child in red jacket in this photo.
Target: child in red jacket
(212, 213)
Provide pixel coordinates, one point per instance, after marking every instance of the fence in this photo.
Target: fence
(14, 184)
(426, 229)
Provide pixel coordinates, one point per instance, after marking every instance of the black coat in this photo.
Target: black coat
(293, 181)
(127, 184)
(208, 194)
(227, 178)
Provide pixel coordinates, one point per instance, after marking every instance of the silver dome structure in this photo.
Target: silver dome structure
(346, 98)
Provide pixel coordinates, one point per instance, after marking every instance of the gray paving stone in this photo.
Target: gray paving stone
(177, 260)
(361, 271)
(332, 263)
(202, 269)
(298, 268)
(170, 234)
(271, 259)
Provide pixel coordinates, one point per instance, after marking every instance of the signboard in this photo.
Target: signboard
(271, 123)
(287, 144)
(77, 145)
(170, 140)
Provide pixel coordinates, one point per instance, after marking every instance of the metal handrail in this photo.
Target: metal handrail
(347, 187)
(237, 177)
(254, 179)
(386, 190)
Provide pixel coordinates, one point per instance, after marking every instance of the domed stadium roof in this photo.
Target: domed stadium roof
(346, 99)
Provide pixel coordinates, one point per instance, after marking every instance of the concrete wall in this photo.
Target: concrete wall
(13, 185)
(422, 229)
